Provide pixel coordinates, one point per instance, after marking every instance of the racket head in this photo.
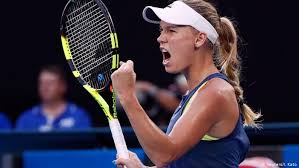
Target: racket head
(89, 42)
(90, 47)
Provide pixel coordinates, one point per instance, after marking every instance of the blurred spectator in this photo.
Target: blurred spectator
(54, 112)
(5, 123)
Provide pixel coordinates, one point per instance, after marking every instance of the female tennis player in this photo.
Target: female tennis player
(206, 130)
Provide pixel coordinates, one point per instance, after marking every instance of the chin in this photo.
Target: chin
(171, 71)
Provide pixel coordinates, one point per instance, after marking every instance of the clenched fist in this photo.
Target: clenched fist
(123, 80)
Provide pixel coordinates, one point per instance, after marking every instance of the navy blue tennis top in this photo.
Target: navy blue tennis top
(209, 152)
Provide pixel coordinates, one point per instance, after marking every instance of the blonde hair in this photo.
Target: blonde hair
(226, 53)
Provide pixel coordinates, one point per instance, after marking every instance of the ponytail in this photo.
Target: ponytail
(225, 53)
(230, 65)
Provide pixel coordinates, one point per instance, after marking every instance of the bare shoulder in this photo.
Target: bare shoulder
(212, 111)
(219, 96)
(214, 101)
(222, 100)
(217, 91)
(220, 89)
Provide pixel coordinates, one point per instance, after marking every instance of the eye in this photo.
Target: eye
(172, 30)
(160, 29)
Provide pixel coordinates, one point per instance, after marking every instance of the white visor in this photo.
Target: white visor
(179, 13)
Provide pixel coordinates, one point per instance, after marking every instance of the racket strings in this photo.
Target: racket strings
(94, 64)
(88, 32)
(82, 45)
(82, 63)
(88, 49)
(91, 17)
(88, 44)
(79, 6)
(73, 17)
(89, 29)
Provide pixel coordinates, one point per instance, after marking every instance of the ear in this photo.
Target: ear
(200, 39)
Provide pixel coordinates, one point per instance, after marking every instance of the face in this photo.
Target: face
(50, 86)
(177, 46)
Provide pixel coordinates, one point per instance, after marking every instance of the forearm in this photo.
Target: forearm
(157, 145)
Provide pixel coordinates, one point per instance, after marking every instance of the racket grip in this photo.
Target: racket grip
(118, 138)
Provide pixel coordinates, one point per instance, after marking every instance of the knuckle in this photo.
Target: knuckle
(113, 75)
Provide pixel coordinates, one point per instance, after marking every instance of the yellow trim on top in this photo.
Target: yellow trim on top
(194, 95)
(66, 48)
(209, 138)
(100, 100)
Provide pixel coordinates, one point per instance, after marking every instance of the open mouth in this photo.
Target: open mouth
(166, 56)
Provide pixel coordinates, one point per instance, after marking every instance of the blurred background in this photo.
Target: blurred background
(268, 32)
(30, 38)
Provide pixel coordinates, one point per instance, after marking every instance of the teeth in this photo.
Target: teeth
(164, 50)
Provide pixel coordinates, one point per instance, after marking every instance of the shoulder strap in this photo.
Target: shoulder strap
(201, 84)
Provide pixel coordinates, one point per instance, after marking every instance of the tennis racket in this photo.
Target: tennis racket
(90, 47)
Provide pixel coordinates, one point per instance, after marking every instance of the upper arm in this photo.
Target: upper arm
(205, 110)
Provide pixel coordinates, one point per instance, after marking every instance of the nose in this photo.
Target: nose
(162, 38)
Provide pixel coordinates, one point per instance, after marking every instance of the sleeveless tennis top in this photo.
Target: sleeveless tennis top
(211, 152)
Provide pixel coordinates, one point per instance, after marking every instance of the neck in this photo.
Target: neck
(54, 108)
(201, 67)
